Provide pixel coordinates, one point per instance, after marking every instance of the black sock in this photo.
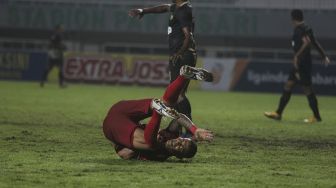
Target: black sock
(286, 95)
(60, 78)
(184, 107)
(314, 105)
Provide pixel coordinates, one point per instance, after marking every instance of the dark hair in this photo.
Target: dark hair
(190, 152)
(297, 15)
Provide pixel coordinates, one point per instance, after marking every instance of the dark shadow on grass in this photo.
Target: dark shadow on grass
(114, 161)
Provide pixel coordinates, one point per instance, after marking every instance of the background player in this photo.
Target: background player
(56, 50)
(182, 46)
(303, 39)
(122, 127)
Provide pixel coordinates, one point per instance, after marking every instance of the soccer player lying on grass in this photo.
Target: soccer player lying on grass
(135, 141)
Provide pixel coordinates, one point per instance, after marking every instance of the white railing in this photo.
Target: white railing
(263, 4)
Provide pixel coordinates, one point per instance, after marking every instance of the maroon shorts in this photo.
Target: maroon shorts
(123, 118)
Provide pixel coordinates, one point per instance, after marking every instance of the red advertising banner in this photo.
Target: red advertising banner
(117, 69)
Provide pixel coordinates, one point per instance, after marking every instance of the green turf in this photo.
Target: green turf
(53, 137)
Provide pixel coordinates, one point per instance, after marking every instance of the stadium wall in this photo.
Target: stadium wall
(230, 74)
(114, 18)
(95, 23)
(264, 76)
(22, 65)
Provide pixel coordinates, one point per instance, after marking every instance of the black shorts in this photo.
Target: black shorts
(302, 76)
(188, 58)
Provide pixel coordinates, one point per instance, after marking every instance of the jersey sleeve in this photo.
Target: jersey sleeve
(185, 18)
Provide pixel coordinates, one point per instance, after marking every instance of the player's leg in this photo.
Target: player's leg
(175, 88)
(136, 110)
(60, 73)
(122, 121)
(174, 127)
(285, 97)
(170, 97)
(306, 81)
(121, 125)
(152, 128)
(50, 65)
(312, 100)
(119, 129)
(183, 104)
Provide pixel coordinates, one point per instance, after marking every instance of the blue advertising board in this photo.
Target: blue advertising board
(261, 76)
(21, 65)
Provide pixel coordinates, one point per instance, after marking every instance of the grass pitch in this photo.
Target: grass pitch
(53, 137)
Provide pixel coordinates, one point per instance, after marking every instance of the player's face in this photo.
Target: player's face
(178, 146)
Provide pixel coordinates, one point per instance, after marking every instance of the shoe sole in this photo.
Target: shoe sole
(208, 77)
(162, 109)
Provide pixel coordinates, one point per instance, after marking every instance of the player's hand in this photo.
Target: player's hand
(297, 75)
(326, 61)
(296, 62)
(126, 153)
(203, 135)
(175, 58)
(136, 13)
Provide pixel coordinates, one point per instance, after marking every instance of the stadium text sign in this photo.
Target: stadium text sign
(22, 65)
(122, 69)
(270, 77)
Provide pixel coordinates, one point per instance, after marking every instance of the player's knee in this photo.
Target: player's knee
(288, 86)
(307, 90)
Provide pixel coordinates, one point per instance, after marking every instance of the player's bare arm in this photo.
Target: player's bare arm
(305, 43)
(200, 134)
(139, 13)
(321, 51)
(186, 41)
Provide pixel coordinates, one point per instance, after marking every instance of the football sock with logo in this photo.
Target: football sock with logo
(286, 95)
(174, 89)
(184, 107)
